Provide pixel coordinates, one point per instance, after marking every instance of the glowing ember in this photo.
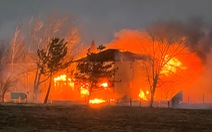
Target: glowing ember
(84, 91)
(105, 85)
(172, 66)
(60, 78)
(96, 101)
(142, 95)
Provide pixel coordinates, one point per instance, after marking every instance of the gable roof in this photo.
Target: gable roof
(115, 55)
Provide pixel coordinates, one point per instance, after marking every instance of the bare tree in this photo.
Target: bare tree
(16, 49)
(38, 33)
(52, 60)
(7, 80)
(161, 44)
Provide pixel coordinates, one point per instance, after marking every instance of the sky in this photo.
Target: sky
(100, 19)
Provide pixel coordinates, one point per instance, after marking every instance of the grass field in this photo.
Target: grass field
(26, 117)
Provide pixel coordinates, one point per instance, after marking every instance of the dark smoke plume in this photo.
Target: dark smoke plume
(197, 32)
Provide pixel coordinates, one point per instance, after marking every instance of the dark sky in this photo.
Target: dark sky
(100, 19)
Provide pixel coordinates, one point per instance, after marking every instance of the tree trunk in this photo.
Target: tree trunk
(88, 99)
(2, 98)
(152, 98)
(48, 91)
(155, 81)
(36, 82)
(89, 94)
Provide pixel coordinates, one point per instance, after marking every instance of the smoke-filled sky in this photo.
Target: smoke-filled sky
(100, 19)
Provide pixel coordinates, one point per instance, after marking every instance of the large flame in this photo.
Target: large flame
(172, 66)
(64, 80)
(181, 73)
(174, 70)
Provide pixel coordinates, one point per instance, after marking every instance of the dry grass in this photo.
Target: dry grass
(29, 117)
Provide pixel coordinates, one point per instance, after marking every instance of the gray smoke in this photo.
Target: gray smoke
(198, 33)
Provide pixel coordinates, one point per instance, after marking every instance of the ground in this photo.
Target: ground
(29, 117)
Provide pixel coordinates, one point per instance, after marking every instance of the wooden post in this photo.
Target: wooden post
(19, 99)
(168, 104)
(130, 102)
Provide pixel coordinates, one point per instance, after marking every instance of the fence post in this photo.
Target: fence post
(130, 102)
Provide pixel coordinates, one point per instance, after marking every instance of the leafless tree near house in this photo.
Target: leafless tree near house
(16, 48)
(161, 44)
(7, 78)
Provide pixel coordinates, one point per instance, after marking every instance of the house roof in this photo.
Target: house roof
(115, 55)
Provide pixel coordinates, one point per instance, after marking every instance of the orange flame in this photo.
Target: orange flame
(60, 78)
(64, 79)
(143, 95)
(172, 66)
(96, 101)
(84, 90)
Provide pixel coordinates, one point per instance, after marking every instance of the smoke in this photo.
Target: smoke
(197, 32)
(199, 36)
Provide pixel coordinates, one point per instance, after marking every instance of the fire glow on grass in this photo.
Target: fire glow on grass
(96, 101)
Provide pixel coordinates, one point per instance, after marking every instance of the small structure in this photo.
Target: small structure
(177, 99)
(19, 97)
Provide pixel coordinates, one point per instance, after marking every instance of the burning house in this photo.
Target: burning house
(126, 83)
(127, 64)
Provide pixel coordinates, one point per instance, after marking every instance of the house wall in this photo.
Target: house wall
(130, 78)
(123, 77)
